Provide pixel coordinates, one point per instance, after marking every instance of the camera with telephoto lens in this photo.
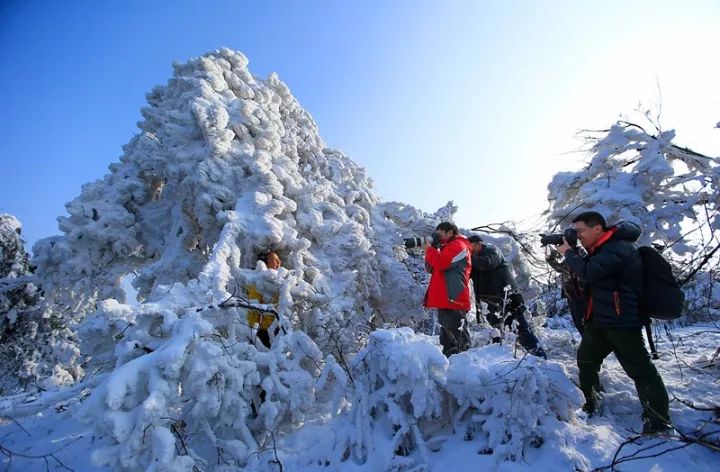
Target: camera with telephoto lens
(569, 234)
(421, 241)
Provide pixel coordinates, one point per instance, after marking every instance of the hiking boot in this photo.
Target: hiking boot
(655, 429)
(590, 408)
(538, 352)
(593, 405)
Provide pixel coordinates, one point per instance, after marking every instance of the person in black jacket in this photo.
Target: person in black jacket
(612, 273)
(572, 289)
(491, 276)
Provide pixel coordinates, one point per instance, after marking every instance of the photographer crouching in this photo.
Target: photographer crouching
(447, 258)
(495, 286)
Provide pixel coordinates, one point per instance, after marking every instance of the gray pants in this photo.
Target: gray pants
(454, 334)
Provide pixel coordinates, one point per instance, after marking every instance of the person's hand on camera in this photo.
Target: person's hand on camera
(564, 247)
(435, 240)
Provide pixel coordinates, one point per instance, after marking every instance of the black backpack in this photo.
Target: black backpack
(661, 297)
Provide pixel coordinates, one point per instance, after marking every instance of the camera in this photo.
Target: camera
(569, 234)
(419, 242)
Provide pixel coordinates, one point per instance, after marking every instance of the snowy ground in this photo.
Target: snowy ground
(36, 438)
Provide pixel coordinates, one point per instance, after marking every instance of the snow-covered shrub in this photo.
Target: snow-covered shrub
(400, 398)
(393, 390)
(702, 301)
(188, 387)
(512, 405)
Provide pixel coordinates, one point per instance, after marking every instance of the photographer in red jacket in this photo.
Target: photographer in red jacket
(448, 261)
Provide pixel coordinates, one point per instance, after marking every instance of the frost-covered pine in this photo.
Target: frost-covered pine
(34, 345)
(226, 165)
(218, 144)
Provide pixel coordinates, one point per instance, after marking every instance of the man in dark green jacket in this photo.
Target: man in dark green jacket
(612, 273)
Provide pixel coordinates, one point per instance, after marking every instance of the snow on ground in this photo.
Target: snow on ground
(41, 433)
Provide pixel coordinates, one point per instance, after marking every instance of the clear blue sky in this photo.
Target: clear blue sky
(474, 101)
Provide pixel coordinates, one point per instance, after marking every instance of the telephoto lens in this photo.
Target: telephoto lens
(555, 239)
(418, 242)
(569, 234)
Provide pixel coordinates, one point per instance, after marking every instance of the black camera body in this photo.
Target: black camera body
(556, 239)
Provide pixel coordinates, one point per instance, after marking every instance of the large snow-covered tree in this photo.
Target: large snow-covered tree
(225, 165)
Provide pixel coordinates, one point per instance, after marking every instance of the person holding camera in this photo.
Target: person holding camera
(572, 289)
(447, 258)
(491, 276)
(612, 274)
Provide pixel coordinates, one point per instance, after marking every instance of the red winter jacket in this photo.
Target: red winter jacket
(450, 267)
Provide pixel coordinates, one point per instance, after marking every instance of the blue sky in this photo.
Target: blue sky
(476, 101)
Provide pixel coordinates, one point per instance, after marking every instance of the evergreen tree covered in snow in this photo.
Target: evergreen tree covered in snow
(220, 151)
(32, 345)
(226, 165)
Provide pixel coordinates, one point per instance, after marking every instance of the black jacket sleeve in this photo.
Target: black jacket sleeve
(488, 259)
(601, 265)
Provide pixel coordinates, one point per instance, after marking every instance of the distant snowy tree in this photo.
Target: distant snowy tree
(33, 345)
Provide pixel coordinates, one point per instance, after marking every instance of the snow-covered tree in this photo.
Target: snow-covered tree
(33, 346)
(226, 165)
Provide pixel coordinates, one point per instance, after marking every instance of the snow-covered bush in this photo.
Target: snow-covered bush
(400, 398)
(189, 372)
(512, 405)
(703, 298)
(394, 389)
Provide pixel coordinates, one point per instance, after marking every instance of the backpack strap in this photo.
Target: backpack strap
(653, 351)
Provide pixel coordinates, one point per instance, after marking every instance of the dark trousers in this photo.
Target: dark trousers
(577, 309)
(454, 333)
(629, 348)
(516, 312)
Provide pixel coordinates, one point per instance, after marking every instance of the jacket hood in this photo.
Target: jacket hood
(627, 230)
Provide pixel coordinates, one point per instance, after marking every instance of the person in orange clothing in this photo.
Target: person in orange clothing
(448, 261)
(255, 317)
